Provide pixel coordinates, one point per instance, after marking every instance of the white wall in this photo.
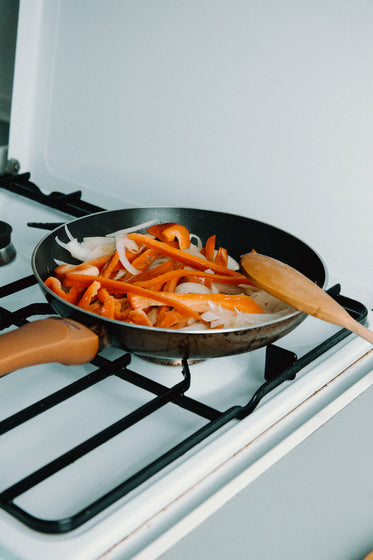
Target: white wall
(257, 107)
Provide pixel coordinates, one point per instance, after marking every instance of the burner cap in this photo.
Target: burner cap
(7, 251)
(5, 231)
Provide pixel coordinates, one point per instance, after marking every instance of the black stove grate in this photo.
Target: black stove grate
(281, 365)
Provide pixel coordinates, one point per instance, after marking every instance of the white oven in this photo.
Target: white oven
(261, 109)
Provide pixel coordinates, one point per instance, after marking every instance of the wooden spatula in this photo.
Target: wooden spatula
(295, 289)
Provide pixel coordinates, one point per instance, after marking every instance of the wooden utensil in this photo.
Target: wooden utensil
(295, 289)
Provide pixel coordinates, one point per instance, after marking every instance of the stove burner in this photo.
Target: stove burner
(7, 250)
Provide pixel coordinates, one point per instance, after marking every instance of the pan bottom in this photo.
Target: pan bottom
(168, 361)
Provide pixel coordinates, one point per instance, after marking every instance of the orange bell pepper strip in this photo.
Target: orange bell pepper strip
(108, 303)
(112, 265)
(178, 232)
(54, 284)
(157, 229)
(152, 272)
(180, 256)
(157, 282)
(200, 302)
(108, 308)
(169, 232)
(118, 287)
(139, 317)
(221, 257)
(162, 310)
(122, 309)
(143, 261)
(170, 285)
(95, 307)
(89, 294)
(172, 319)
(205, 280)
(209, 249)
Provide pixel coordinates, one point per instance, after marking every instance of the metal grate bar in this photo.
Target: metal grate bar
(56, 398)
(70, 203)
(17, 285)
(93, 442)
(355, 308)
(185, 402)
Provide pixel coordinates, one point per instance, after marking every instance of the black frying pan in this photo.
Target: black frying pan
(236, 233)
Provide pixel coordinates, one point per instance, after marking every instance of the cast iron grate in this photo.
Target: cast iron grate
(281, 365)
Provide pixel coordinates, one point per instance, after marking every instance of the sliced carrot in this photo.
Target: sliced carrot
(54, 284)
(180, 256)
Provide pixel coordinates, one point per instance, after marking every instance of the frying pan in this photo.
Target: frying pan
(236, 233)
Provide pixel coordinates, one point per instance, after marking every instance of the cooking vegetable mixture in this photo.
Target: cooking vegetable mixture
(165, 278)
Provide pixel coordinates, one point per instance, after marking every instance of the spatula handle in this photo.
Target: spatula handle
(48, 340)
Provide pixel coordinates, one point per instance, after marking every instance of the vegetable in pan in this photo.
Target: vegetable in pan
(165, 278)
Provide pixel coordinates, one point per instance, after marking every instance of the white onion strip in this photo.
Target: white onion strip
(121, 243)
(144, 225)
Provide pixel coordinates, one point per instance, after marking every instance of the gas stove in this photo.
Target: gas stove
(115, 454)
(256, 109)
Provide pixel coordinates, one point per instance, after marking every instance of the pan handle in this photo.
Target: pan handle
(54, 339)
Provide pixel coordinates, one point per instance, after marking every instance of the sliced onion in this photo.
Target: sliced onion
(192, 288)
(194, 250)
(144, 225)
(69, 235)
(220, 288)
(121, 244)
(75, 249)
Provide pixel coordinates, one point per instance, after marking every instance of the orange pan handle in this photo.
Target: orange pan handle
(54, 339)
